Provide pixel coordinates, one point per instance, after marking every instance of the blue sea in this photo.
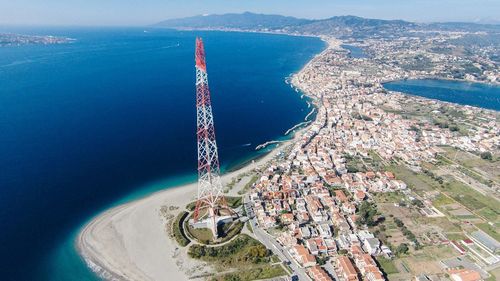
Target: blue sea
(461, 92)
(111, 117)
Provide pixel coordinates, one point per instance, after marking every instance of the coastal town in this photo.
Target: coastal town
(248, 140)
(320, 201)
(11, 39)
(373, 185)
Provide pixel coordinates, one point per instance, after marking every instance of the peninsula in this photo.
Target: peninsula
(10, 39)
(380, 186)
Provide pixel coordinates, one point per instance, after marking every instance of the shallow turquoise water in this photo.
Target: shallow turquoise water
(111, 117)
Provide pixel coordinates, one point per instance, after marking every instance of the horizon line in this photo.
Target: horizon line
(493, 21)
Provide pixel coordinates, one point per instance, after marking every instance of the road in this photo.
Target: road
(271, 243)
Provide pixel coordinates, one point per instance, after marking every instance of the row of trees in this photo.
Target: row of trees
(433, 176)
(408, 234)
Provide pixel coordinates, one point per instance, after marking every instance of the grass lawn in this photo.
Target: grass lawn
(443, 222)
(418, 182)
(490, 230)
(441, 200)
(178, 231)
(472, 161)
(355, 165)
(374, 155)
(244, 250)
(226, 232)
(389, 197)
(248, 185)
(490, 214)
(387, 266)
(485, 206)
(465, 195)
(256, 273)
(234, 202)
(436, 252)
(200, 234)
(455, 236)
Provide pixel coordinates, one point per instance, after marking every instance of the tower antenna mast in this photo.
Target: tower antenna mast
(210, 193)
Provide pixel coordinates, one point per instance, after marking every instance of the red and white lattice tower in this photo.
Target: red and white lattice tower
(210, 193)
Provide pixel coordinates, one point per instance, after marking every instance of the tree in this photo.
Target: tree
(417, 245)
(398, 222)
(256, 253)
(196, 251)
(487, 155)
(367, 212)
(322, 260)
(402, 249)
(351, 168)
(440, 180)
(418, 203)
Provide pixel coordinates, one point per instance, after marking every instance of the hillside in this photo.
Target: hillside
(244, 21)
(339, 26)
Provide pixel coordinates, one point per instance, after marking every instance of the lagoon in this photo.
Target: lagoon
(461, 92)
(355, 51)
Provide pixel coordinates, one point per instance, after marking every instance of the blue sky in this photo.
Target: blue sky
(141, 12)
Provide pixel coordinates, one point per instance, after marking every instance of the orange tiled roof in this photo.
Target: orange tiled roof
(347, 266)
(360, 194)
(318, 274)
(341, 195)
(466, 274)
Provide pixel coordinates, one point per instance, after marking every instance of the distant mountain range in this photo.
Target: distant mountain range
(340, 26)
(241, 21)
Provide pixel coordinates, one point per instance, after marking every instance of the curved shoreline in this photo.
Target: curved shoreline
(130, 242)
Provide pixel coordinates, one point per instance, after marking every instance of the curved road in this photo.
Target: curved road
(273, 245)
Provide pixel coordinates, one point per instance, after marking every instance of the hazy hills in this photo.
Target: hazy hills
(239, 21)
(340, 26)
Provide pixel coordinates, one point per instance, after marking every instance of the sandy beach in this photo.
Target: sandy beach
(130, 241)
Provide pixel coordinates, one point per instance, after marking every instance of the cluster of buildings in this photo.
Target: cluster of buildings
(9, 39)
(312, 197)
(318, 221)
(356, 114)
(481, 246)
(436, 55)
